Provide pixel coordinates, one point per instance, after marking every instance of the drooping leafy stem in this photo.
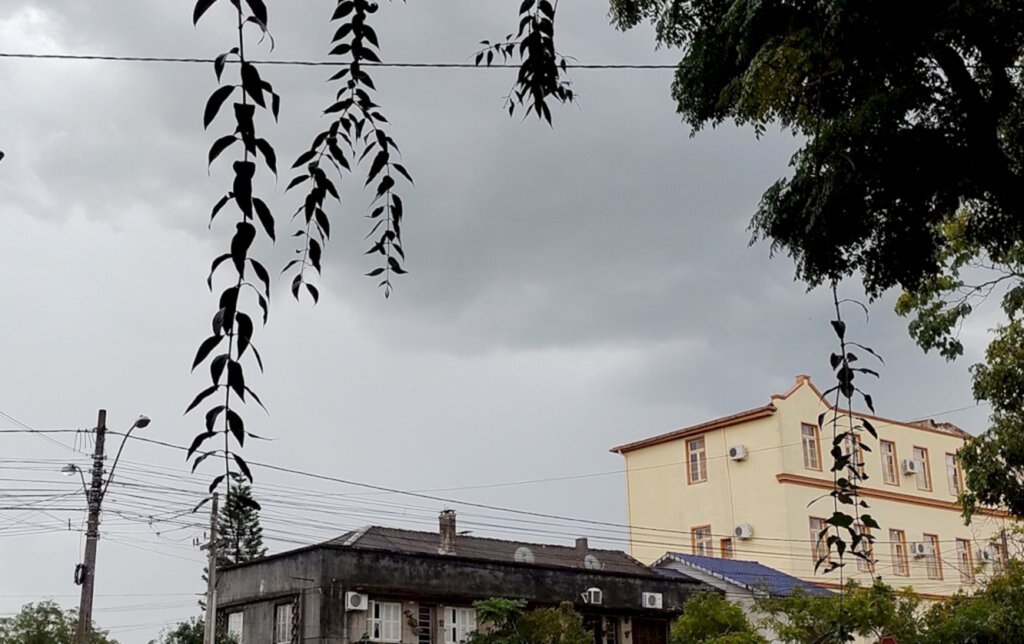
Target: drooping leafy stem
(847, 453)
(358, 124)
(230, 322)
(542, 68)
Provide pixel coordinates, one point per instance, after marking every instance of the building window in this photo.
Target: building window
(235, 621)
(999, 565)
(953, 475)
(924, 471)
(819, 545)
(812, 446)
(898, 547)
(865, 548)
(726, 547)
(696, 460)
(611, 630)
(385, 622)
(425, 625)
(458, 624)
(933, 561)
(890, 474)
(853, 448)
(700, 541)
(965, 560)
(283, 616)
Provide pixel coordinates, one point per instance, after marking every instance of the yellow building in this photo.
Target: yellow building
(755, 485)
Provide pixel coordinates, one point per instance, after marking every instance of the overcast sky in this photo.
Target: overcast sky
(571, 288)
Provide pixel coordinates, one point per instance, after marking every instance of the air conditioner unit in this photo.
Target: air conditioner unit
(909, 466)
(356, 601)
(743, 531)
(921, 549)
(652, 600)
(988, 555)
(738, 453)
(592, 596)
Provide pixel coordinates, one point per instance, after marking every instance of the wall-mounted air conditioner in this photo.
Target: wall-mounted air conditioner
(743, 531)
(909, 466)
(738, 453)
(652, 600)
(356, 601)
(921, 549)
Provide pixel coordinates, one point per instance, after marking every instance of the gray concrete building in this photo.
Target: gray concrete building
(398, 586)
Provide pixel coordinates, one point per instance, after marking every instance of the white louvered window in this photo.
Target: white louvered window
(235, 621)
(283, 624)
(385, 622)
(458, 624)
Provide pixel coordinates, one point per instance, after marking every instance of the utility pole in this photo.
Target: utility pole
(83, 634)
(210, 633)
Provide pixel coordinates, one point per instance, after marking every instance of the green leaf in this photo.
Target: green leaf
(235, 426)
(203, 395)
(215, 102)
(197, 441)
(245, 471)
(236, 379)
(208, 345)
(201, 7)
(252, 83)
(221, 144)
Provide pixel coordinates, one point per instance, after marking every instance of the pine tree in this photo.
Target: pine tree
(239, 534)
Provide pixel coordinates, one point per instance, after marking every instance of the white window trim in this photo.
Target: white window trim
(465, 623)
(383, 621)
(236, 626)
(277, 622)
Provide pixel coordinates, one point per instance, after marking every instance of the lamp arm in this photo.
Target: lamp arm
(110, 476)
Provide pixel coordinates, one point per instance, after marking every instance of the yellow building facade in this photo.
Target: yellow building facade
(755, 486)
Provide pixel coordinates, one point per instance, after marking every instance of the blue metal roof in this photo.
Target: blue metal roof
(748, 574)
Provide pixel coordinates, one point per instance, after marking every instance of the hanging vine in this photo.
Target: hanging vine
(356, 133)
(847, 531)
(248, 279)
(542, 69)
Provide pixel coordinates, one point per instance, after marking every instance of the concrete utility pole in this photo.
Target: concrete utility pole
(210, 634)
(83, 634)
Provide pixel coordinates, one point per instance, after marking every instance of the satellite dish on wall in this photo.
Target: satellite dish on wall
(590, 562)
(524, 555)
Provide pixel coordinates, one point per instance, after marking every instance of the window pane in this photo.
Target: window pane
(819, 547)
(953, 474)
(696, 460)
(965, 561)
(701, 541)
(811, 449)
(235, 621)
(888, 449)
(898, 546)
(283, 624)
(934, 560)
(924, 474)
(727, 548)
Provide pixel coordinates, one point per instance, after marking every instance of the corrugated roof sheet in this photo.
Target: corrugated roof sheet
(748, 574)
(414, 542)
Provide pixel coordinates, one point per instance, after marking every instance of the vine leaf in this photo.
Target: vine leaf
(201, 7)
(215, 102)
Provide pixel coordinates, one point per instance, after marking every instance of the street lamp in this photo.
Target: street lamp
(140, 423)
(86, 572)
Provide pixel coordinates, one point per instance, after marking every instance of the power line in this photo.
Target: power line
(319, 63)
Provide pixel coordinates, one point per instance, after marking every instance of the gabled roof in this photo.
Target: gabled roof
(750, 575)
(414, 542)
(718, 423)
(769, 409)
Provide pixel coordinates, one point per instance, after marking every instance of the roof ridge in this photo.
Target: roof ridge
(495, 539)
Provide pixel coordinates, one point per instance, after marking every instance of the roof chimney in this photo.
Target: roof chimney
(447, 521)
(582, 547)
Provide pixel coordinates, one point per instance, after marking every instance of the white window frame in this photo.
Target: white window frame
(811, 446)
(954, 479)
(459, 622)
(890, 463)
(696, 460)
(283, 623)
(236, 623)
(385, 621)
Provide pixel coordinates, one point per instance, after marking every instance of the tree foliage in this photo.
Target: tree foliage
(709, 618)
(506, 621)
(908, 110)
(191, 631)
(239, 533)
(912, 166)
(993, 614)
(866, 611)
(45, 622)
